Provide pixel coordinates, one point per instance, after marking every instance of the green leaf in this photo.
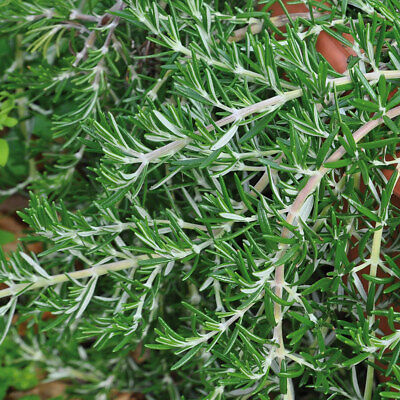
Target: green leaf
(355, 360)
(378, 143)
(366, 85)
(187, 357)
(377, 280)
(349, 137)
(326, 146)
(10, 122)
(390, 395)
(365, 105)
(280, 239)
(394, 359)
(258, 127)
(225, 138)
(277, 299)
(292, 372)
(338, 163)
(363, 210)
(392, 288)
(323, 284)
(391, 125)
(4, 151)
(302, 319)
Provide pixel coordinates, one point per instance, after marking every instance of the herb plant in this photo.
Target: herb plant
(196, 184)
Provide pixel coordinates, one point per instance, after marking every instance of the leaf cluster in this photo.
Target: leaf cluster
(164, 161)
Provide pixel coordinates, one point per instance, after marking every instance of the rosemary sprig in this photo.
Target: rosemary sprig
(205, 191)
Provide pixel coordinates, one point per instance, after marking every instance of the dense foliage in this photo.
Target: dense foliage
(196, 188)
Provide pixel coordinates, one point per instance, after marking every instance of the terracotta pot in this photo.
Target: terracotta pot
(335, 52)
(276, 10)
(353, 254)
(384, 327)
(332, 49)
(337, 56)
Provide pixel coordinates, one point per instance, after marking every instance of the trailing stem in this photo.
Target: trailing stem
(294, 211)
(122, 264)
(374, 261)
(238, 115)
(375, 256)
(61, 278)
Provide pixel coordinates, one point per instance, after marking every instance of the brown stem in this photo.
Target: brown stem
(259, 107)
(311, 185)
(103, 20)
(336, 156)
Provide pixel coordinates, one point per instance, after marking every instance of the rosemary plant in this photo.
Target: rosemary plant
(197, 186)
